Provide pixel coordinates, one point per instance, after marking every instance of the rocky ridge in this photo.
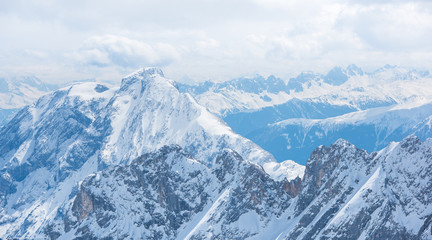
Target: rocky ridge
(346, 193)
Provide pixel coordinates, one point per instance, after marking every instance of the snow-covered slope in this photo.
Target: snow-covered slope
(371, 129)
(53, 144)
(148, 112)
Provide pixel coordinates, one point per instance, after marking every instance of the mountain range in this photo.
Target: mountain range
(145, 160)
(291, 118)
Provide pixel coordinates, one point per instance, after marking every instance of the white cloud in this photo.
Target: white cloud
(207, 43)
(390, 27)
(112, 50)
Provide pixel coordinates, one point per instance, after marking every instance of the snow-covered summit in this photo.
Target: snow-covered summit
(342, 143)
(147, 74)
(148, 112)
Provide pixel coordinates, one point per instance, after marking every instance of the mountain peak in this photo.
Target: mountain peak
(336, 76)
(146, 72)
(353, 69)
(341, 143)
(141, 74)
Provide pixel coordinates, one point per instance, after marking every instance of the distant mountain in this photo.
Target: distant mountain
(238, 94)
(19, 91)
(311, 97)
(252, 93)
(372, 129)
(344, 86)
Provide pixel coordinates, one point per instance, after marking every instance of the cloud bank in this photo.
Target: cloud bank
(210, 40)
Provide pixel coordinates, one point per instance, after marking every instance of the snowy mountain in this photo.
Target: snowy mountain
(238, 94)
(169, 194)
(347, 193)
(19, 91)
(292, 129)
(256, 92)
(50, 146)
(146, 161)
(372, 129)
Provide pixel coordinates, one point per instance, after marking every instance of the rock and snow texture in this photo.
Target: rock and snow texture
(53, 144)
(168, 194)
(346, 193)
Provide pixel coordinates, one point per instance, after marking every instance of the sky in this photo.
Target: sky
(197, 40)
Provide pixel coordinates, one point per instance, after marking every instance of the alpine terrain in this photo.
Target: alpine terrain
(147, 161)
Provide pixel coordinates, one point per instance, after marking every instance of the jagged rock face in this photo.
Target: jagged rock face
(325, 167)
(250, 197)
(151, 197)
(329, 178)
(161, 195)
(52, 134)
(346, 193)
(350, 194)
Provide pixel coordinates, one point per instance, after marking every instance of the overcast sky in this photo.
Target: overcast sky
(209, 40)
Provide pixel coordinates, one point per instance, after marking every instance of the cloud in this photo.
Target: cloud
(211, 39)
(390, 27)
(36, 54)
(112, 50)
(207, 43)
